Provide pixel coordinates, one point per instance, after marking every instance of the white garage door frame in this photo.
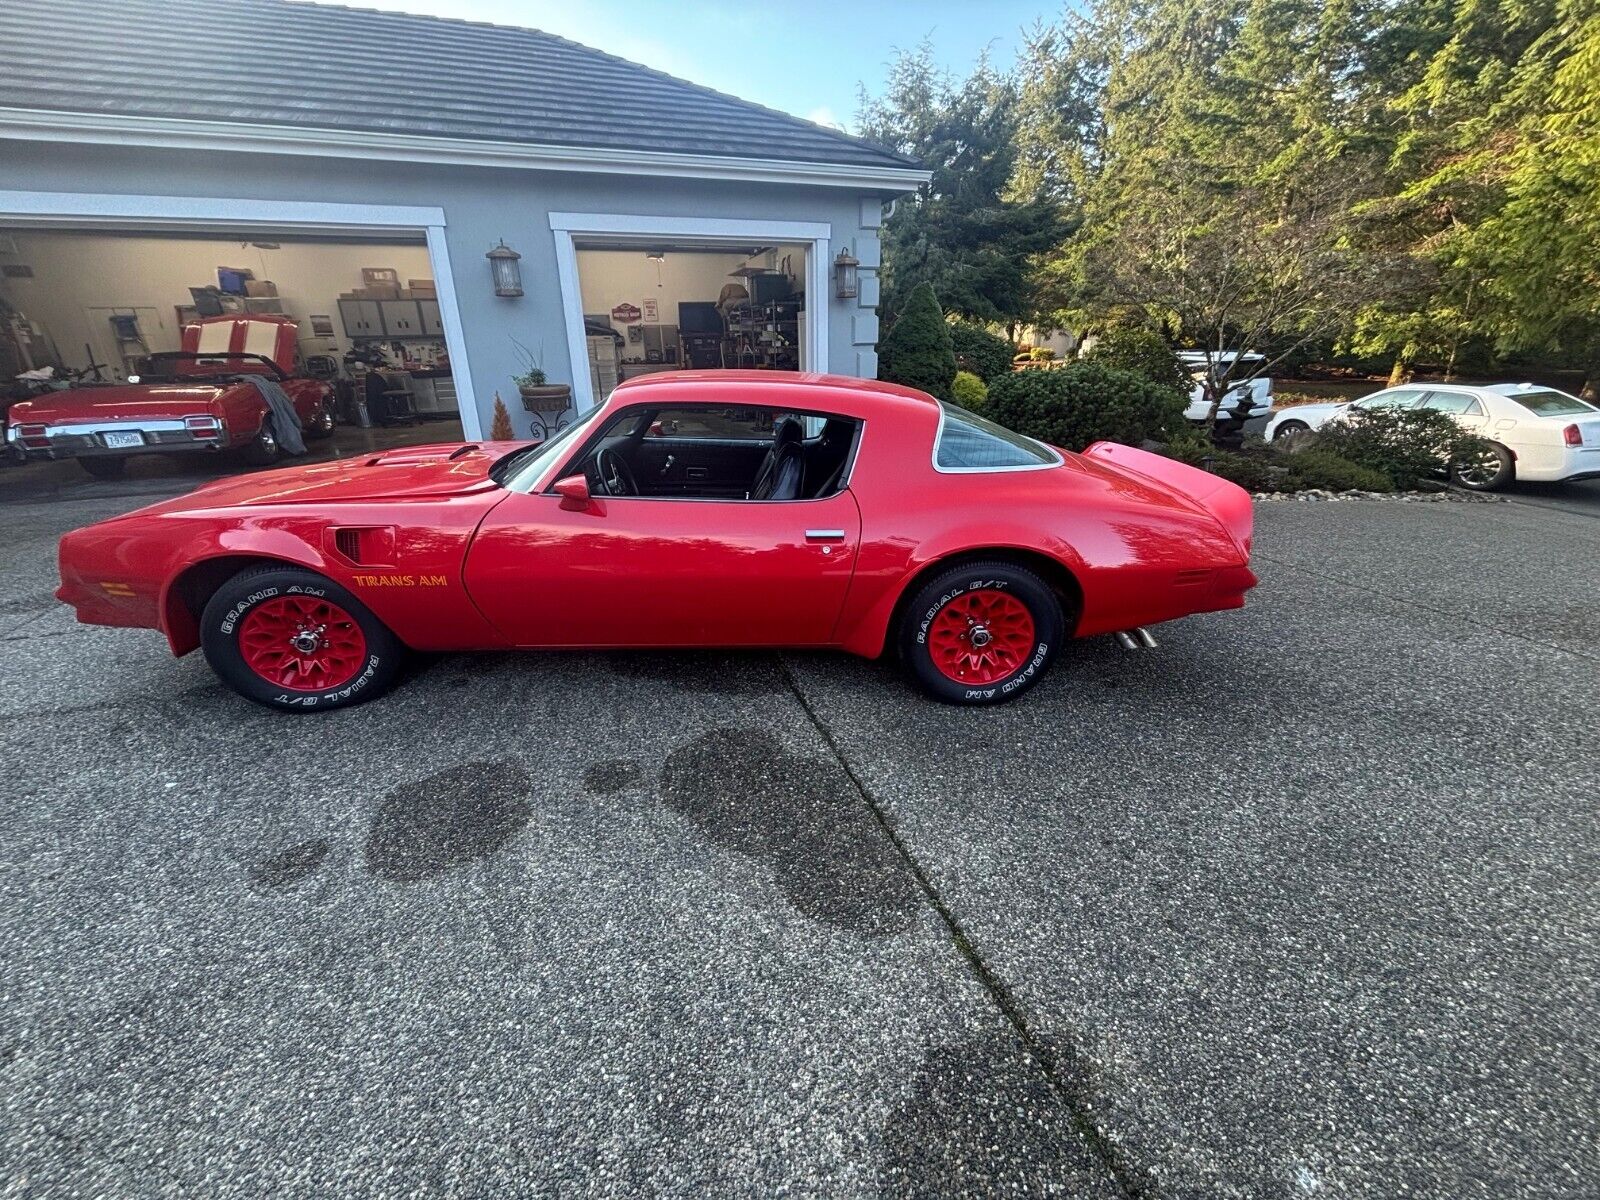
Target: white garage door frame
(158, 214)
(814, 235)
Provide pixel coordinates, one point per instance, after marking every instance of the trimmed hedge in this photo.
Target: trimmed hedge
(986, 355)
(1406, 445)
(1085, 403)
(1144, 351)
(917, 351)
(969, 391)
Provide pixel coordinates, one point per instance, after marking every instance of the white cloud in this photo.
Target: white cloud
(823, 115)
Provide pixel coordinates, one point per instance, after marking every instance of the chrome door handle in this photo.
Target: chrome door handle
(824, 535)
(667, 466)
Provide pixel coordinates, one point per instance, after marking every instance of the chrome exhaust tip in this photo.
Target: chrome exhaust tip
(1138, 638)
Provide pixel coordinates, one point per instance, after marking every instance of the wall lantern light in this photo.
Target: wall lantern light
(507, 275)
(845, 284)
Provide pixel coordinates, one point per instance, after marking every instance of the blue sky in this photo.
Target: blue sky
(802, 58)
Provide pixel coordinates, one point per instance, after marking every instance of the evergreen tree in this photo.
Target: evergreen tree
(963, 232)
(917, 351)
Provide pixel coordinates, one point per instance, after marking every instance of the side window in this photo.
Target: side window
(967, 442)
(1457, 404)
(1398, 398)
(714, 424)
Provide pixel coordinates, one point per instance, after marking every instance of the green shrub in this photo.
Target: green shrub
(917, 352)
(969, 391)
(984, 354)
(1319, 468)
(1085, 403)
(1405, 445)
(1143, 351)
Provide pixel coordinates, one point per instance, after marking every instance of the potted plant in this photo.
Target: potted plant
(538, 395)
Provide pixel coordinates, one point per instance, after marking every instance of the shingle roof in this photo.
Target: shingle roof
(274, 63)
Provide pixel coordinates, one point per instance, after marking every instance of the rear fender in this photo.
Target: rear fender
(1229, 503)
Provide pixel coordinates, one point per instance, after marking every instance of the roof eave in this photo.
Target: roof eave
(174, 133)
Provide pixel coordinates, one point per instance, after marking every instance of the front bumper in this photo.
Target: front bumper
(92, 440)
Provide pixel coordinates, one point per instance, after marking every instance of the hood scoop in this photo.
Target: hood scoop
(411, 456)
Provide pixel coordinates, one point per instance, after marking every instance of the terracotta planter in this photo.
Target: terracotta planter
(551, 397)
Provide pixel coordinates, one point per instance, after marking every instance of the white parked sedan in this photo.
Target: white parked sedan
(1536, 433)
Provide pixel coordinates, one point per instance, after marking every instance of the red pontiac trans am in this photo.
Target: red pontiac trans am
(695, 509)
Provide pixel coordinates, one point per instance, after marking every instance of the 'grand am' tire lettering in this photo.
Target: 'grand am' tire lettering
(238, 610)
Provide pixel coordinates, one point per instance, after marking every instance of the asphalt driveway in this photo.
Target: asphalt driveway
(1302, 903)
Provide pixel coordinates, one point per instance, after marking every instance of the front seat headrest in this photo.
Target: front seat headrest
(789, 431)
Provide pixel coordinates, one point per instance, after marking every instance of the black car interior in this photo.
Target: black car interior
(721, 453)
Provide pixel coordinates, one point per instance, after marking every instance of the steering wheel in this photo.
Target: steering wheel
(615, 476)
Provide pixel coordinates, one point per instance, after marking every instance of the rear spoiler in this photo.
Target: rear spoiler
(1229, 503)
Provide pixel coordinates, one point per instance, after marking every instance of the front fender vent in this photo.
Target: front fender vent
(364, 546)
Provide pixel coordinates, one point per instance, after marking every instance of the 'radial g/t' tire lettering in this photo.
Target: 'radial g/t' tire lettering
(981, 633)
(292, 640)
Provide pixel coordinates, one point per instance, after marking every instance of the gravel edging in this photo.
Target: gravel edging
(1448, 496)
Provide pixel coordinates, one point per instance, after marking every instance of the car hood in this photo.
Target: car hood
(406, 473)
(127, 402)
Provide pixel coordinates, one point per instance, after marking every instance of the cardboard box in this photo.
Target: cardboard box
(260, 288)
(380, 276)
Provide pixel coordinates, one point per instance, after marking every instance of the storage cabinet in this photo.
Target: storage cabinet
(401, 318)
(362, 318)
(391, 318)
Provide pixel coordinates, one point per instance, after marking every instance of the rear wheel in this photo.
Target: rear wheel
(981, 633)
(290, 639)
(263, 449)
(105, 468)
(1488, 471)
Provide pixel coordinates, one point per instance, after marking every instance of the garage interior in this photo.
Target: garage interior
(86, 306)
(652, 306)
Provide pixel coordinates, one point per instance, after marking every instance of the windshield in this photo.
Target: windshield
(521, 469)
(1552, 404)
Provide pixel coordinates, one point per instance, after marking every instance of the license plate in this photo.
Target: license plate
(121, 441)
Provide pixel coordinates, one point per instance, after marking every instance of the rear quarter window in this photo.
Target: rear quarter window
(967, 442)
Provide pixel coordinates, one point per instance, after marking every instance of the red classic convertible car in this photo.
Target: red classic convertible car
(716, 508)
(202, 399)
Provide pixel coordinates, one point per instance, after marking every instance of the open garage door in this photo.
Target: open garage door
(104, 330)
(664, 304)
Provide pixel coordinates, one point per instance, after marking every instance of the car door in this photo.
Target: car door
(1466, 408)
(702, 453)
(654, 571)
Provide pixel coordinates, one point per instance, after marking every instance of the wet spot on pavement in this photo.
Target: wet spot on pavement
(290, 865)
(982, 1119)
(447, 820)
(729, 673)
(612, 776)
(803, 818)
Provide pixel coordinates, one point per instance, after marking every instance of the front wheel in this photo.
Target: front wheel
(1289, 430)
(295, 641)
(981, 633)
(321, 425)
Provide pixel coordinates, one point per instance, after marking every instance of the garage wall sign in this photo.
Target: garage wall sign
(626, 313)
